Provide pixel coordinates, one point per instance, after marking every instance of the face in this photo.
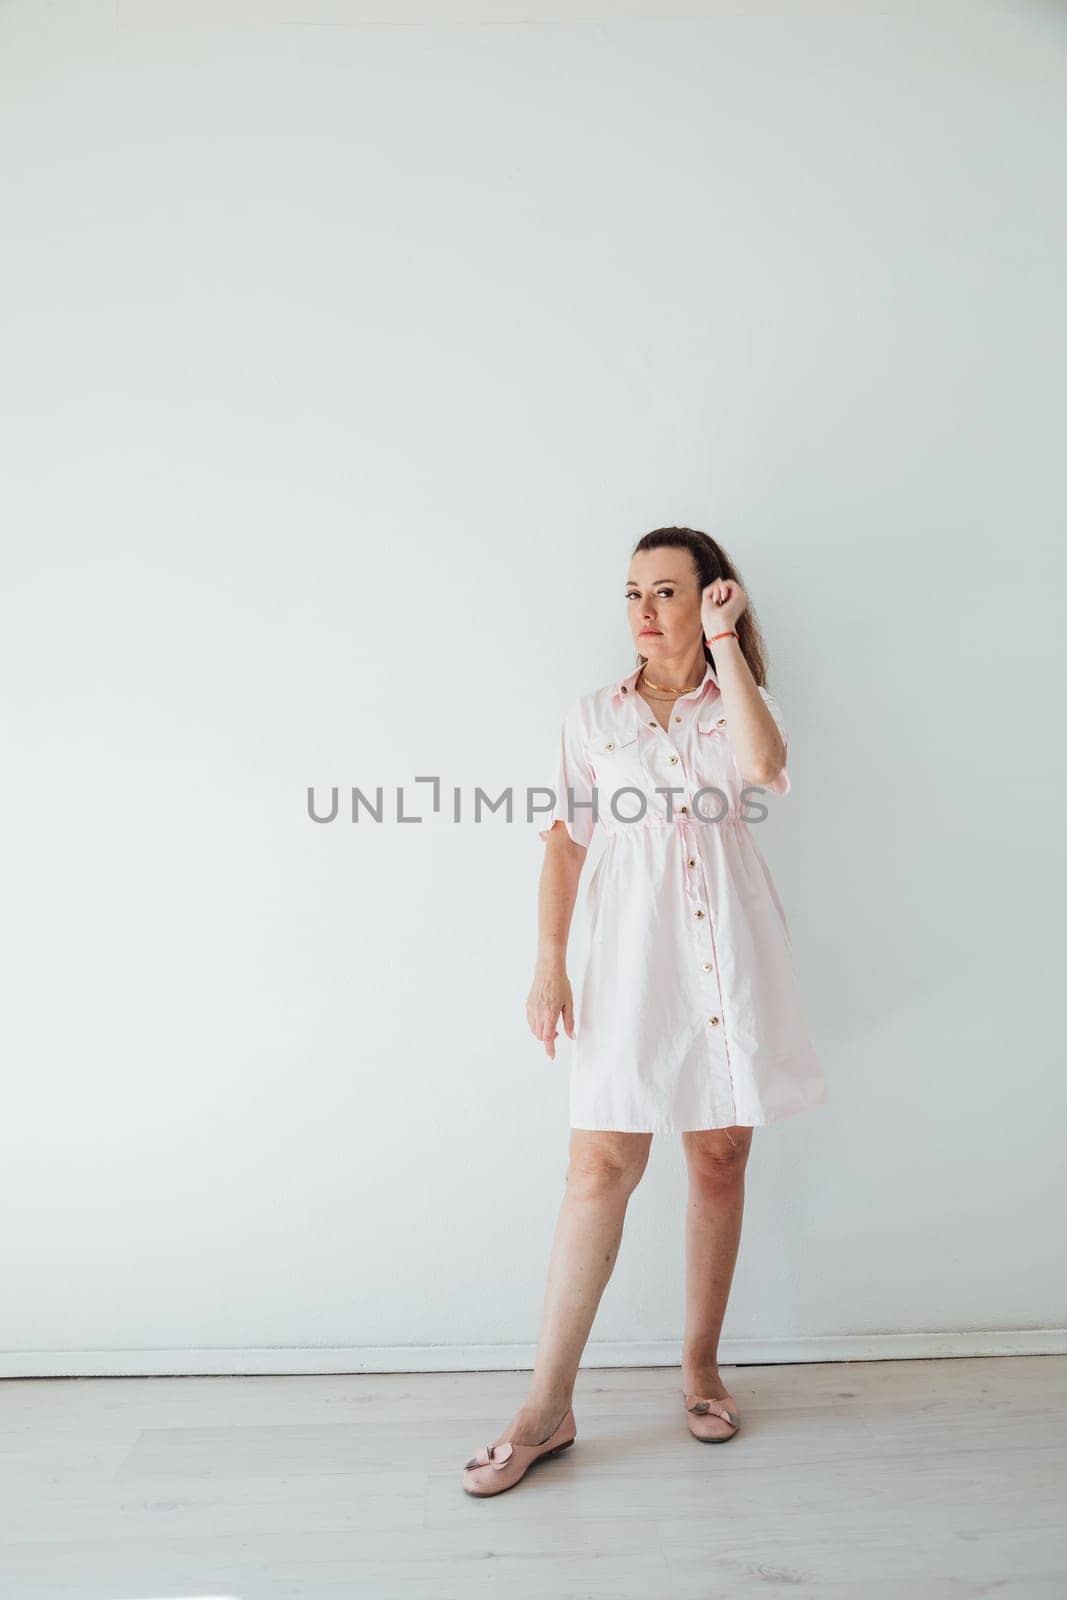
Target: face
(663, 603)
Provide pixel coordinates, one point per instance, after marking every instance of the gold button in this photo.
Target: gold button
(677, 719)
(683, 808)
(698, 913)
(674, 761)
(707, 966)
(692, 861)
(609, 747)
(714, 1021)
(625, 690)
(652, 724)
(721, 722)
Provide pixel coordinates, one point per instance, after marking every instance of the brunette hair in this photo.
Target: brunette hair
(711, 561)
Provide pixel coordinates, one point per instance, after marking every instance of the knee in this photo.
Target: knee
(718, 1155)
(592, 1178)
(594, 1170)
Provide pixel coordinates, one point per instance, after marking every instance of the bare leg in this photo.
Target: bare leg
(602, 1173)
(716, 1159)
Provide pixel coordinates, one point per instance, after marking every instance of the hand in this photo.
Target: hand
(550, 995)
(722, 605)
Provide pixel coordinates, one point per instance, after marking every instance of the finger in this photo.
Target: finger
(550, 1047)
(568, 1019)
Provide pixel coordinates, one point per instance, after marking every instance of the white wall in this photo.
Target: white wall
(348, 350)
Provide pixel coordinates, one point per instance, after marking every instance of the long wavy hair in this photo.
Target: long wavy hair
(711, 562)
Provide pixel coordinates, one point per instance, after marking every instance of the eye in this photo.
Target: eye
(632, 594)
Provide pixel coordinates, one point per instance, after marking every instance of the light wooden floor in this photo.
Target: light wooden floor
(917, 1478)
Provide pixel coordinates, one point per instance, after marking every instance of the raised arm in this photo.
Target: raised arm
(755, 730)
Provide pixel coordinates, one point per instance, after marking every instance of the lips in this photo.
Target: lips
(645, 631)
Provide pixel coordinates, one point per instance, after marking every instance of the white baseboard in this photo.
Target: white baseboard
(519, 1357)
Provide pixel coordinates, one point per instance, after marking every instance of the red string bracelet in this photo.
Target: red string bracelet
(715, 636)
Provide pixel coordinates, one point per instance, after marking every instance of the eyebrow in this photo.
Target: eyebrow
(632, 583)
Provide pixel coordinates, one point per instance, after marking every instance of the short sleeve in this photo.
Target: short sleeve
(574, 784)
(780, 783)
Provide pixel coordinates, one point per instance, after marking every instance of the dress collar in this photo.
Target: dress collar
(625, 691)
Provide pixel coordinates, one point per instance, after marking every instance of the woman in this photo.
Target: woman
(690, 1019)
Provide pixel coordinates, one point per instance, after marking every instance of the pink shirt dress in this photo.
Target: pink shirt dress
(688, 1013)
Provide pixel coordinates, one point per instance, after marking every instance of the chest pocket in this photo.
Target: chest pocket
(615, 757)
(716, 766)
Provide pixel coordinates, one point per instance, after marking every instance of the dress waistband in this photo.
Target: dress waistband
(730, 818)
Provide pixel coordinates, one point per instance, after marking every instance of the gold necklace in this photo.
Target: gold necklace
(659, 699)
(666, 689)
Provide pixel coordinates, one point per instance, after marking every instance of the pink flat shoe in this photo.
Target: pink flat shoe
(496, 1467)
(712, 1421)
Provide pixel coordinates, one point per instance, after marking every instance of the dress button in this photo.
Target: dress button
(609, 746)
(714, 1021)
(674, 761)
(692, 861)
(698, 913)
(652, 724)
(677, 719)
(683, 808)
(721, 722)
(707, 966)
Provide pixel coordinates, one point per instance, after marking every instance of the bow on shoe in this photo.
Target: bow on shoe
(702, 1407)
(492, 1455)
